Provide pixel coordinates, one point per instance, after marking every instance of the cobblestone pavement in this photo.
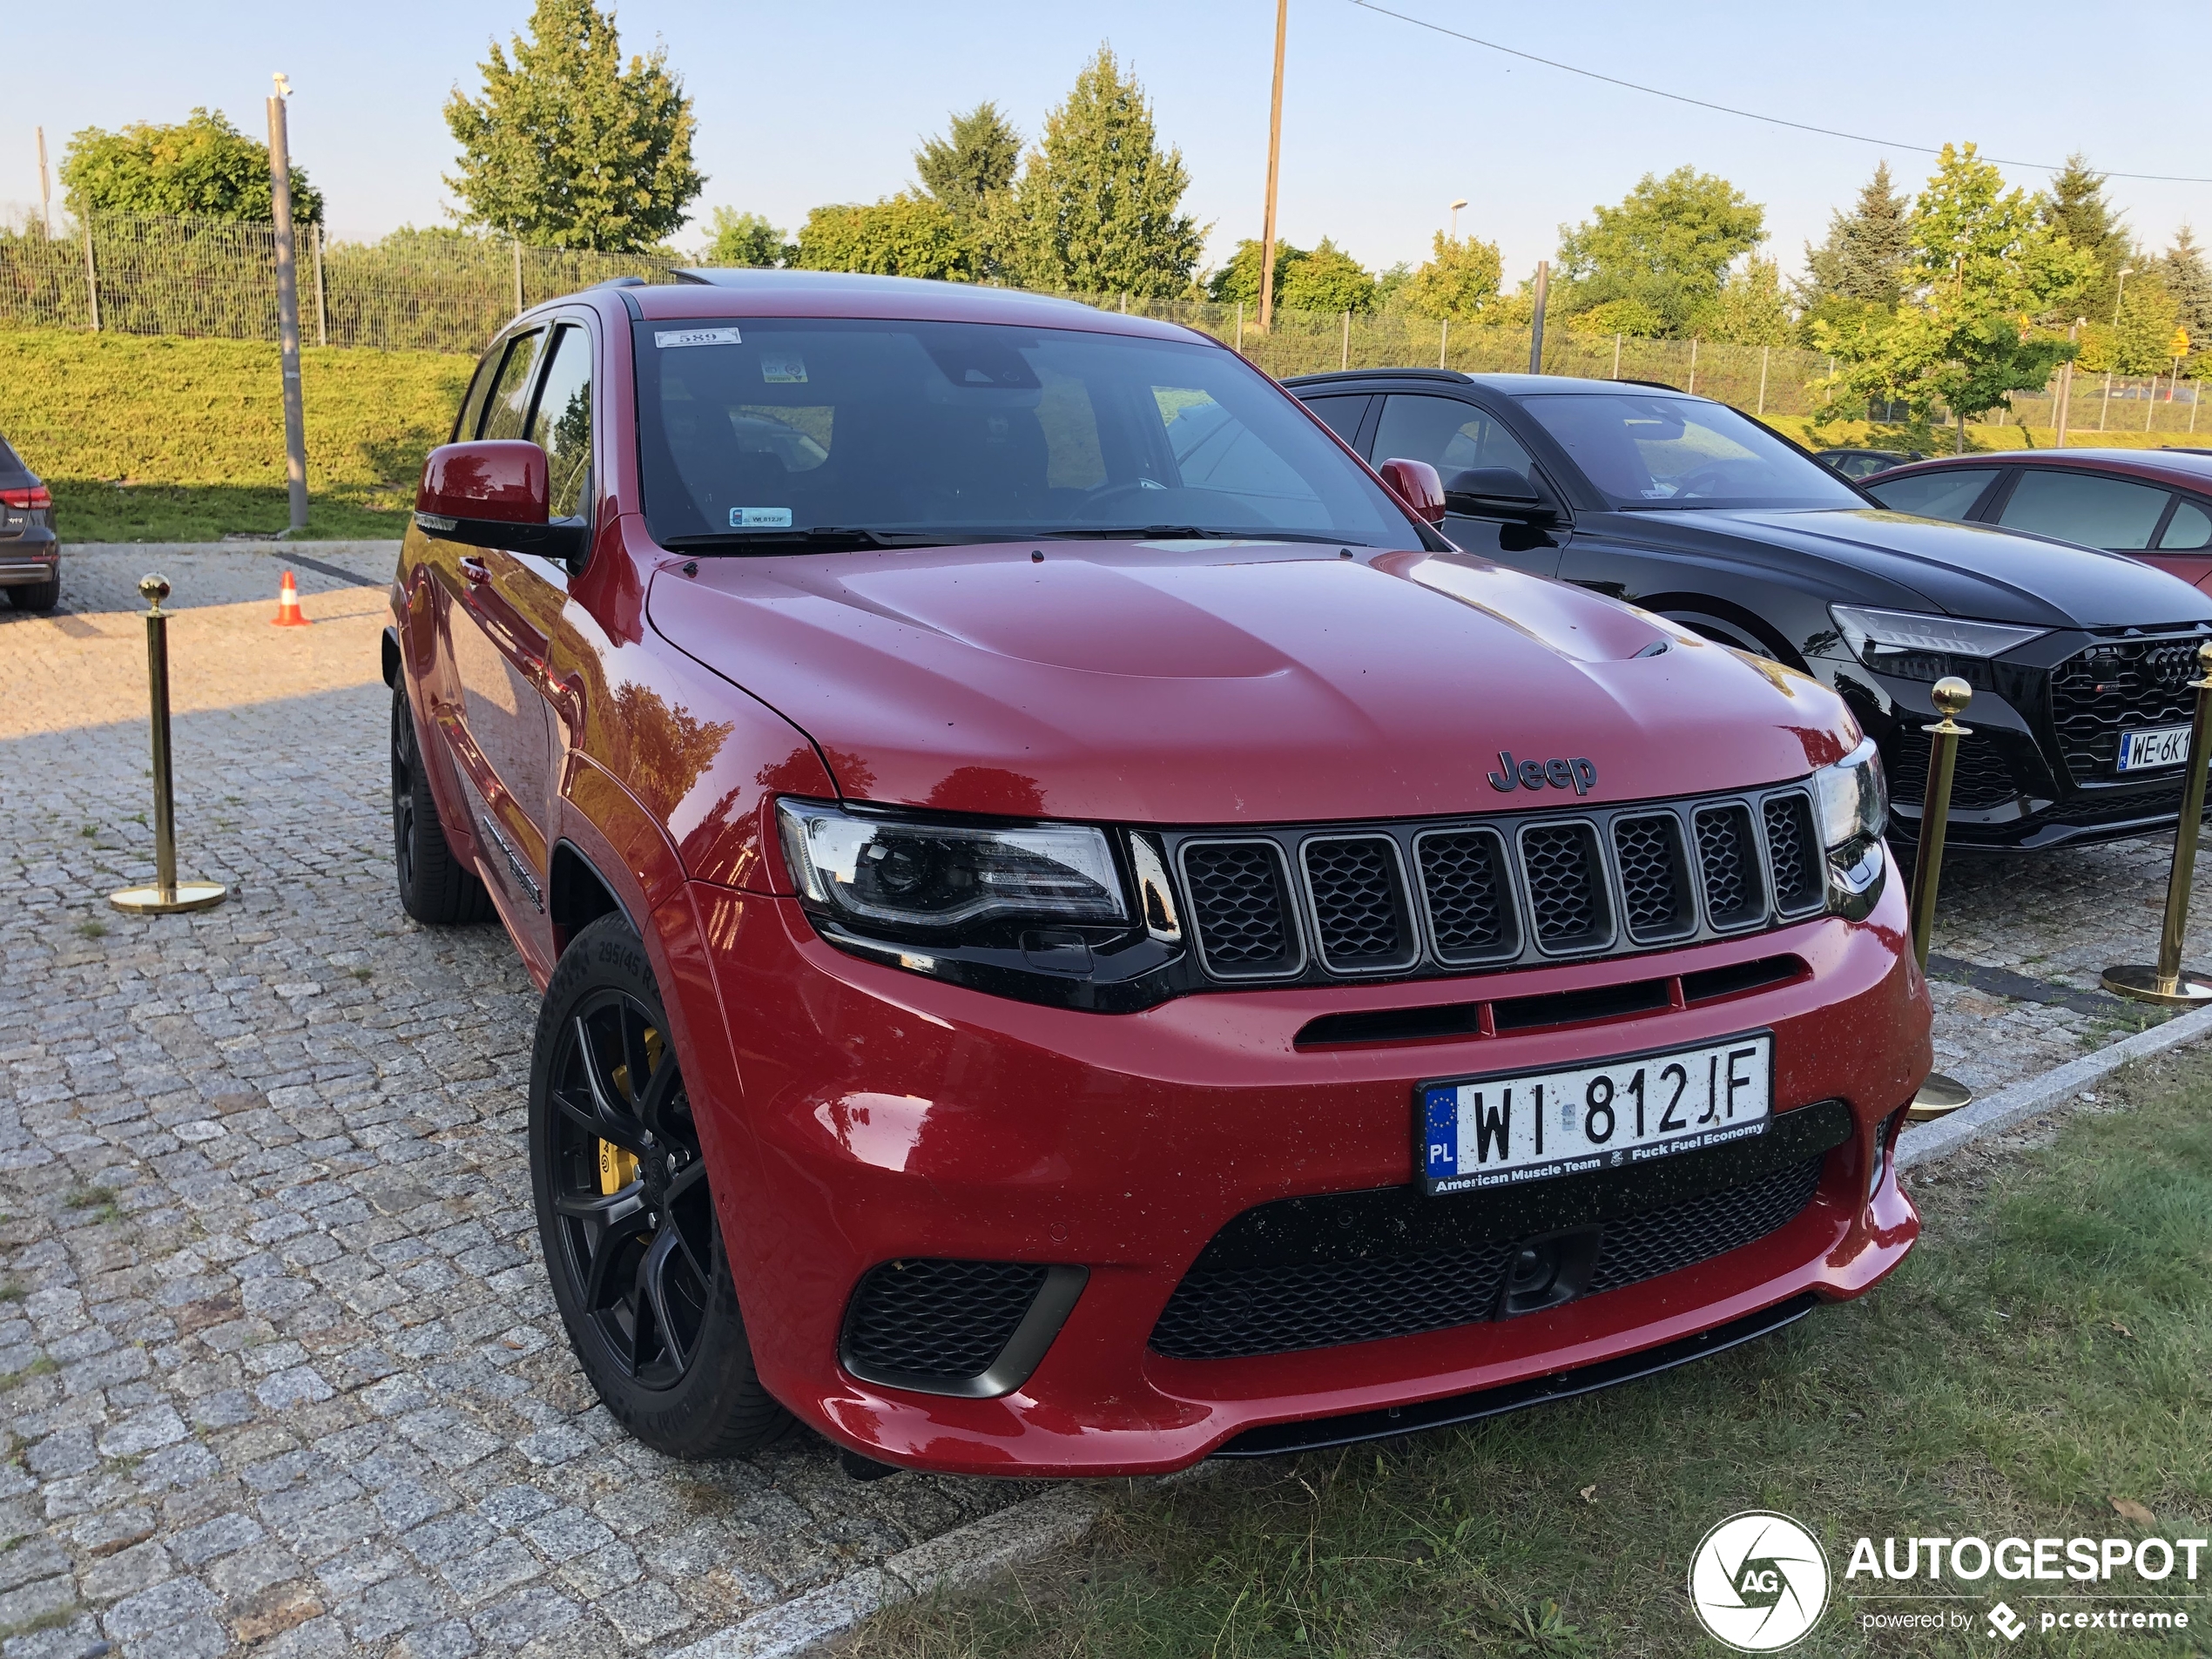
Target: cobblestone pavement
(279, 1370)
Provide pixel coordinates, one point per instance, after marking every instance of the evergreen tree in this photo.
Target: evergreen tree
(1857, 269)
(735, 239)
(1098, 206)
(201, 166)
(2076, 209)
(2190, 283)
(975, 160)
(1458, 280)
(567, 148)
(1668, 245)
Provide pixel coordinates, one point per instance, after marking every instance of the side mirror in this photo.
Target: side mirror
(1415, 483)
(1498, 492)
(493, 492)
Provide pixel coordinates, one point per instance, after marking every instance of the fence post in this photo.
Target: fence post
(1763, 350)
(1616, 357)
(1443, 334)
(1693, 366)
(2150, 404)
(322, 311)
(518, 275)
(2197, 396)
(1240, 325)
(2104, 408)
(91, 271)
(287, 278)
(1831, 377)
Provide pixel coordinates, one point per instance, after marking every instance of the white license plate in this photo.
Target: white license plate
(1504, 1129)
(2167, 746)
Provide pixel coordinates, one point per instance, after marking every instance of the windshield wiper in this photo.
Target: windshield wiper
(1177, 533)
(819, 537)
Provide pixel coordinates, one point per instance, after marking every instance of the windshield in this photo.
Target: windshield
(760, 430)
(1645, 452)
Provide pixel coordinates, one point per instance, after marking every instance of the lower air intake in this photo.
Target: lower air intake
(938, 1320)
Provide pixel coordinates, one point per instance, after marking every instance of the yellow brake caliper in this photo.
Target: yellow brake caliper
(617, 1167)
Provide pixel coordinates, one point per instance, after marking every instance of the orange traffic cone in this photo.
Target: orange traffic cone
(287, 614)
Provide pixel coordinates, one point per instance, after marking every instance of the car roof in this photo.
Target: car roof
(2174, 467)
(1511, 385)
(714, 292)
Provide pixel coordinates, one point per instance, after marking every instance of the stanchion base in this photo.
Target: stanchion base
(1938, 1098)
(2141, 983)
(186, 895)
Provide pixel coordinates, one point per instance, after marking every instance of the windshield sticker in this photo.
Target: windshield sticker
(666, 337)
(790, 369)
(760, 518)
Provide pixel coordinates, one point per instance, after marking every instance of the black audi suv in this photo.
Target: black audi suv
(2080, 660)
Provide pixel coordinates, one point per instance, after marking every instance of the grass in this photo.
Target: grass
(161, 439)
(42, 1365)
(1981, 438)
(2045, 1352)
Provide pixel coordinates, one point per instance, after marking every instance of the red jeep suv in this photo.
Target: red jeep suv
(1077, 932)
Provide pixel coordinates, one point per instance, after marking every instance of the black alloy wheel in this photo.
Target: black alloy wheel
(434, 886)
(627, 1220)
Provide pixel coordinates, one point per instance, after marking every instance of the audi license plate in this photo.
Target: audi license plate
(1505, 1128)
(2168, 746)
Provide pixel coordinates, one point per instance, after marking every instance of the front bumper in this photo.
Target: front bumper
(874, 1115)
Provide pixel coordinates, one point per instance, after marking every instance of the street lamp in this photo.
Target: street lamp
(1456, 206)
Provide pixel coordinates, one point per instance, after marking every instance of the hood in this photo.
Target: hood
(1180, 682)
(1976, 570)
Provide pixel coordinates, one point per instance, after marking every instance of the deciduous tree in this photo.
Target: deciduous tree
(1459, 280)
(1668, 243)
(735, 239)
(200, 165)
(1328, 278)
(1237, 282)
(1751, 308)
(569, 148)
(907, 234)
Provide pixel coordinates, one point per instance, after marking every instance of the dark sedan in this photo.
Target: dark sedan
(2155, 505)
(30, 553)
(1864, 463)
(2080, 659)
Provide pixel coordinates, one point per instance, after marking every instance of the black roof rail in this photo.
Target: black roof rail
(621, 282)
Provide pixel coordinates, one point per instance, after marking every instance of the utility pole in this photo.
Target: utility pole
(45, 190)
(1274, 167)
(288, 276)
(1536, 322)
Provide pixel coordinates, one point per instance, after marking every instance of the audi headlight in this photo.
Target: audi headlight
(906, 879)
(1854, 813)
(1912, 646)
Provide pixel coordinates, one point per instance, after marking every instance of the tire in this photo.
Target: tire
(434, 886)
(38, 595)
(638, 1271)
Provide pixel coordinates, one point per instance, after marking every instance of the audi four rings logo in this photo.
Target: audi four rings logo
(1578, 774)
(1758, 1581)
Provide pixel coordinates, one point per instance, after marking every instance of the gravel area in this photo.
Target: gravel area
(278, 1369)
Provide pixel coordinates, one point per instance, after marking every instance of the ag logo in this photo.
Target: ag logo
(1758, 1581)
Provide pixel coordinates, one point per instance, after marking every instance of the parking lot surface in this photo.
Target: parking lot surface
(278, 1369)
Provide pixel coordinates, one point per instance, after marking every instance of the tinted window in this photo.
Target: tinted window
(472, 402)
(767, 425)
(2190, 528)
(1645, 452)
(1934, 494)
(1863, 466)
(1449, 435)
(2082, 507)
(562, 426)
(1342, 415)
(507, 407)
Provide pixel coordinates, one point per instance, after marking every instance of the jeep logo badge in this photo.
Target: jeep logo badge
(1578, 774)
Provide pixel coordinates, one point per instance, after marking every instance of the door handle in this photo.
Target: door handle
(476, 570)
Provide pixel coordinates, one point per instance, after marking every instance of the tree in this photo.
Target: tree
(976, 159)
(2076, 209)
(1668, 243)
(1237, 282)
(1983, 265)
(567, 148)
(1328, 278)
(735, 239)
(1751, 308)
(2190, 283)
(1460, 279)
(1858, 269)
(2140, 342)
(903, 235)
(1098, 206)
(202, 165)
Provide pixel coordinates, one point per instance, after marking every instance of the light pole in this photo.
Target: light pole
(1456, 206)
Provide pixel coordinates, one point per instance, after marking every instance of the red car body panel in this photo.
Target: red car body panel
(852, 1112)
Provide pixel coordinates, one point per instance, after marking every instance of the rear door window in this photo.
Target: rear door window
(507, 410)
(1450, 435)
(1934, 495)
(2085, 507)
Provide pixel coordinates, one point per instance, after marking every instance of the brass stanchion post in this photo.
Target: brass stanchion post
(2166, 982)
(167, 895)
(1939, 1094)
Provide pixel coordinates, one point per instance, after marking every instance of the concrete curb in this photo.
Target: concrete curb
(2043, 1092)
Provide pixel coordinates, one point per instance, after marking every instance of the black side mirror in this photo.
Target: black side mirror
(1497, 492)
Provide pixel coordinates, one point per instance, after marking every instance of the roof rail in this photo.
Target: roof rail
(620, 282)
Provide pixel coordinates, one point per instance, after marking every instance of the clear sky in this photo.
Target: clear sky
(1383, 123)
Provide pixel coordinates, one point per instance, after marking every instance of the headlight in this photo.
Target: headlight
(906, 879)
(1916, 647)
(1854, 812)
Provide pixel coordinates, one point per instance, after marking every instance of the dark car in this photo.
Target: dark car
(1078, 934)
(2155, 505)
(1864, 463)
(2080, 660)
(30, 551)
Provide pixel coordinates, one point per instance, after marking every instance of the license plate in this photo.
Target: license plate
(2167, 746)
(1506, 1128)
